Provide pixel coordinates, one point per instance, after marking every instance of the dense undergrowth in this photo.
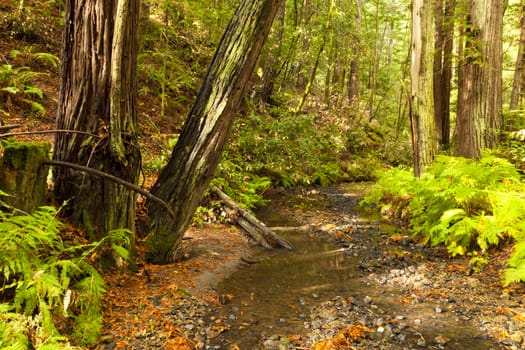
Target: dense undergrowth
(470, 207)
(50, 291)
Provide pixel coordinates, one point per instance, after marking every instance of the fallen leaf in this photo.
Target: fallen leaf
(179, 343)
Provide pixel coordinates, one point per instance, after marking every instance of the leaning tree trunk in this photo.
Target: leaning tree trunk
(97, 95)
(196, 155)
(422, 101)
(479, 119)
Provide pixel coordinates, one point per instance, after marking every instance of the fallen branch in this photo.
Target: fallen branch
(304, 228)
(111, 178)
(250, 224)
(8, 127)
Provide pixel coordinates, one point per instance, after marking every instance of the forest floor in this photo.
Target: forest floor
(409, 296)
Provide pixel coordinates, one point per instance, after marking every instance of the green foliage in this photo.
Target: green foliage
(462, 204)
(49, 284)
(512, 146)
(290, 149)
(29, 56)
(243, 187)
(175, 50)
(18, 81)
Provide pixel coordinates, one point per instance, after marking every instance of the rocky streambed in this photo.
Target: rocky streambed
(364, 285)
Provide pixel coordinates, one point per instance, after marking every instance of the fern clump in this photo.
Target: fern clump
(47, 285)
(466, 205)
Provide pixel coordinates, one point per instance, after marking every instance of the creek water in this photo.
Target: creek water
(275, 296)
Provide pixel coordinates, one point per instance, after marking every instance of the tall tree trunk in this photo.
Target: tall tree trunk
(196, 155)
(444, 19)
(422, 111)
(376, 62)
(479, 100)
(354, 63)
(520, 66)
(330, 77)
(97, 95)
(271, 63)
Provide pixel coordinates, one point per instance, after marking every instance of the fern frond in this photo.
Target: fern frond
(514, 275)
(48, 57)
(490, 232)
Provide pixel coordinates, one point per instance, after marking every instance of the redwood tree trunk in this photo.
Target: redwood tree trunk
(444, 19)
(422, 102)
(196, 155)
(520, 63)
(98, 66)
(479, 100)
(354, 63)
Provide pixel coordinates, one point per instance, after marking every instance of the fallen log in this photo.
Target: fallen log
(250, 224)
(303, 229)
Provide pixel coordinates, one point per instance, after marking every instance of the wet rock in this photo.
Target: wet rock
(517, 338)
(421, 342)
(441, 339)
(271, 344)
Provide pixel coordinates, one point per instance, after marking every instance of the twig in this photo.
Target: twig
(112, 178)
(9, 127)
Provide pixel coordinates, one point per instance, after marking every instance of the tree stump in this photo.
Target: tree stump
(22, 176)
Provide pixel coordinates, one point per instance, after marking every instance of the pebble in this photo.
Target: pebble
(441, 339)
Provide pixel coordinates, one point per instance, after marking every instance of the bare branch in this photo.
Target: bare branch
(46, 132)
(112, 178)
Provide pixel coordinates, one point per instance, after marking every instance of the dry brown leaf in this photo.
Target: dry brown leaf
(343, 340)
(179, 343)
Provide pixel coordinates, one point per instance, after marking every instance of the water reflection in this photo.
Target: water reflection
(276, 293)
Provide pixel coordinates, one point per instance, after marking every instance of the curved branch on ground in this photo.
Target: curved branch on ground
(43, 132)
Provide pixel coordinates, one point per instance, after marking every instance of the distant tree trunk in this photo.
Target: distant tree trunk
(313, 73)
(354, 63)
(196, 155)
(444, 19)
(519, 78)
(330, 73)
(373, 74)
(271, 64)
(97, 95)
(479, 119)
(422, 111)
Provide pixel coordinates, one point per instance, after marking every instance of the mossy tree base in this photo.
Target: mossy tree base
(22, 175)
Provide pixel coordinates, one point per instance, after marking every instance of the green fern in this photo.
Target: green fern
(462, 204)
(48, 57)
(44, 272)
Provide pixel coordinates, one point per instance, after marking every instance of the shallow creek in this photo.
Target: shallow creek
(276, 296)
